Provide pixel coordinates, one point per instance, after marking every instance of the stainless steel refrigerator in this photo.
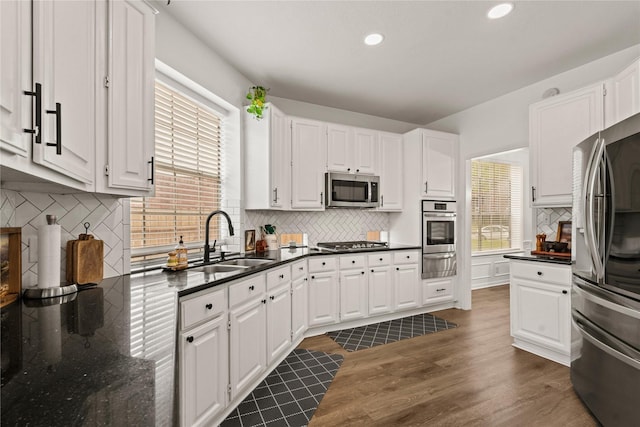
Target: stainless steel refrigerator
(605, 300)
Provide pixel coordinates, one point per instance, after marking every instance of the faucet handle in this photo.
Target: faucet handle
(214, 246)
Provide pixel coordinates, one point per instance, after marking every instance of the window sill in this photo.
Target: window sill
(494, 253)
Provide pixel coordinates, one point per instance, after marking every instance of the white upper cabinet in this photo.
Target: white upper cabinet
(268, 182)
(15, 77)
(351, 150)
(556, 125)
(439, 154)
(308, 158)
(65, 64)
(391, 171)
(623, 95)
(130, 93)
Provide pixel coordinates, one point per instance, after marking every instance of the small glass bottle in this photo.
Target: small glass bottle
(181, 250)
(172, 260)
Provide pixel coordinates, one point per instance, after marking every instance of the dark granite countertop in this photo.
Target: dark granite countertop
(539, 258)
(106, 355)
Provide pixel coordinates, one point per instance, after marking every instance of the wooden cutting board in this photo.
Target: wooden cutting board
(85, 260)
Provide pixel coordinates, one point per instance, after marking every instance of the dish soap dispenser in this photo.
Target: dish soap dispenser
(181, 251)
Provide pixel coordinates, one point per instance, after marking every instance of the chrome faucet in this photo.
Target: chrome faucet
(207, 249)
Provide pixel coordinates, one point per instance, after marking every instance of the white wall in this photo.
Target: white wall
(503, 124)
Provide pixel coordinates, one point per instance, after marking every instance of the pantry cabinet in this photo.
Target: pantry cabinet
(622, 98)
(268, 160)
(76, 49)
(556, 125)
(391, 172)
(308, 163)
(541, 309)
(439, 155)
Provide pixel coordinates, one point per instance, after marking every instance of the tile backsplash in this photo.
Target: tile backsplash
(108, 216)
(555, 215)
(323, 226)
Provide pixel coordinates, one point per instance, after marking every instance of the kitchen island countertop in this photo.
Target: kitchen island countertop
(539, 258)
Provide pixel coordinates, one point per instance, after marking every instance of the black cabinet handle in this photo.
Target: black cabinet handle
(380, 259)
(264, 301)
(357, 170)
(37, 129)
(58, 143)
(151, 162)
(272, 297)
(282, 276)
(363, 272)
(251, 288)
(300, 268)
(189, 338)
(564, 292)
(539, 273)
(313, 277)
(533, 194)
(372, 271)
(353, 262)
(348, 169)
(408, 256)
(398, 268)
(305, 279)
(324, 263)
(209, 306)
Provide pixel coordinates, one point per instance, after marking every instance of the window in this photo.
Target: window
(188, 170)
(496, 203)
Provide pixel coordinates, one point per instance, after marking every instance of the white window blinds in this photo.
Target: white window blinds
(496, 201)
(188, 166)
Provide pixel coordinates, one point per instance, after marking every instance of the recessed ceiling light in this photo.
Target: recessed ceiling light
(373, 39)
(500, 10)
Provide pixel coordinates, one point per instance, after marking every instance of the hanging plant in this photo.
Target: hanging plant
(257, 95)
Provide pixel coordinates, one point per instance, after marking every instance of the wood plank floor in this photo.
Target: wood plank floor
(468, 376)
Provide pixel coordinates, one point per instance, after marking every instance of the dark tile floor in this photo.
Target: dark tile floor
(290, 394)
(386, 332)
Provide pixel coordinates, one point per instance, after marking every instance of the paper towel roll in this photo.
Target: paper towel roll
(49, 256)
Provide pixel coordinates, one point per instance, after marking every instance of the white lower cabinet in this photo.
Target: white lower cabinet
(406, 279)
(353, 294)
(380, 285)
(323, 291)
(247, 336)
(278, 313)
(437, 290)
(203, 355)
(299, 298)
(541, 309)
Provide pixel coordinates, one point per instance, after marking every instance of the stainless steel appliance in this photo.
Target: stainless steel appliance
(605, 302)
(438, 239)
(343, 190)
(351, 246)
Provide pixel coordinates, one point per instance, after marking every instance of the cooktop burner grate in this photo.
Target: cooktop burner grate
(352, 245)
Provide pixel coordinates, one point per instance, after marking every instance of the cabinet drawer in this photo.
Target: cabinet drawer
(437, 290)
(196, 309)
(298, 269)
(318, 265)
(247, 289)
(376, 260)
(406, 257)
(542, 272)
(351, 261)
(278, 277)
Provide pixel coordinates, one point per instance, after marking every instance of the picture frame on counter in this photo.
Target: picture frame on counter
(249, 240)
(11, 264)
(564, 232)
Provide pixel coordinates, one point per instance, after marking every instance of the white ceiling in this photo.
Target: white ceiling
(438, 57)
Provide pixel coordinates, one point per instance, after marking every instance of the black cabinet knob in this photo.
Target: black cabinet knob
(363, 272)
(313, 277)
(539, 273)
(357, 170)
(305, 279)
(300, 268)
(348, 169)
(189, 338)
(282, 276)
(264, 301)
(272, 297)
(324, 263)
(251, 288)
(380, 259)
(209, 306)
(372, 271)
(398, 268)
(564, 292)
(353, 262)
(408, 256)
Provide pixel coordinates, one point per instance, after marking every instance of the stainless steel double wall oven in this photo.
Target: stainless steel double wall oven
(438, 239)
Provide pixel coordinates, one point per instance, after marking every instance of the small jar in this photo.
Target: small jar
(172, 260)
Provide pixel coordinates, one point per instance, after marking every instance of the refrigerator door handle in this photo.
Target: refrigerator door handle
(610, 206)
(582, 324)
(592, 236)
(601, 297)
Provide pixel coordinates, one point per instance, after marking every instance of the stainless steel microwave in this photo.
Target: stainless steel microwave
(343, 190)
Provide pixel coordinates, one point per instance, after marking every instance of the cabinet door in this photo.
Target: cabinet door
(131, 90)
(391, 172)
(365, 144)
(299, 303)
(15, 77)
(339, 148)
(541, 313)
(308, 155)
(247, 341)
(353, 294)
(439, 152)
(623, 95)
(64, 61)
(406, 281)
(380, 290)
(280, 156)
(204, 371)
(436, 291)
(556, 125)
(323, 299)
(278, 322)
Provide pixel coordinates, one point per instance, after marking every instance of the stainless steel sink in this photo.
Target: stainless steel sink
(219, 268)
(245, 262)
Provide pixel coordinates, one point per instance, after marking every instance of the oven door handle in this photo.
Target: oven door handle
(439, 256)
(431, 214)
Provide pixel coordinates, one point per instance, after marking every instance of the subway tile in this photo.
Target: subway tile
(39, 200)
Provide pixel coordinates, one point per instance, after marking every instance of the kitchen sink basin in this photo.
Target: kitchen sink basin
(219, 268)
(245, 262)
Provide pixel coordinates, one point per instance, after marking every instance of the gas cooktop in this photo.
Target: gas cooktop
(351, 246)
